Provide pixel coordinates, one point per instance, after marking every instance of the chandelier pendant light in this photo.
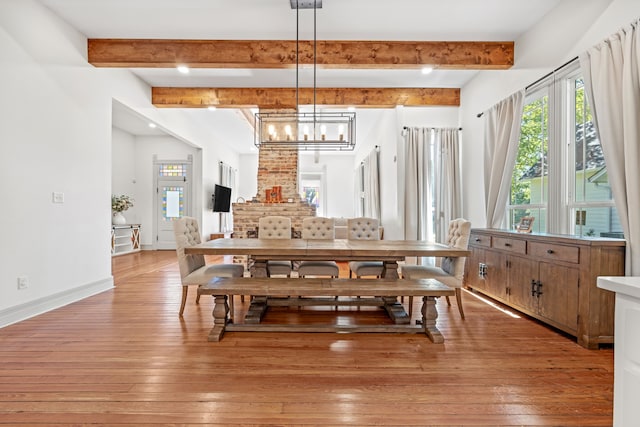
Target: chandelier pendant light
(312, 130)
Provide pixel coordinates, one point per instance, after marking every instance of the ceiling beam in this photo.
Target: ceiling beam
(153, 53)
(178, 97)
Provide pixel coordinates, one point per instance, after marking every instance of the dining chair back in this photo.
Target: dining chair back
(364, 229)
(276, 227)
(318, 228)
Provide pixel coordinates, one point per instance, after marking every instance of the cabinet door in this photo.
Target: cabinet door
(558, 300)
(521, 272)
(496, 278)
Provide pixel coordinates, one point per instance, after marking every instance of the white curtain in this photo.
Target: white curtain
(227, 179)
(371, 185)
(358, 183)
(418, 197)
(612, 81)
(448, 188)
(501, 138)
(432, 184)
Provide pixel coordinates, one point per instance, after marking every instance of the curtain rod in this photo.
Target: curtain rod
(543, 77)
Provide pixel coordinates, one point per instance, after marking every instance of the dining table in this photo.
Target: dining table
(389, 252)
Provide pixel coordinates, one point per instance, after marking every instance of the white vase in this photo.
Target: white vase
(118, 218)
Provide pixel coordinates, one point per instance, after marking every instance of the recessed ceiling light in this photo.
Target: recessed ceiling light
(183, 69)
(211, 108)
(152, 125)
(427, 70)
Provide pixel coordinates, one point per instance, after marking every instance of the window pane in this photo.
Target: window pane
(591, 178)
(539, 215)
(172, 203)
(173, 170)
(597, 222)
(529, 183)
(311, 195)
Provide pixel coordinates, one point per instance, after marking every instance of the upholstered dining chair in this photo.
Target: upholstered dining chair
(193, 270)
(276, 227)
(364, 229)
(318, 228)
(448, 270)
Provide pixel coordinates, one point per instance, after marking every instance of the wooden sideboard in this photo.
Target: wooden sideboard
(549, 277)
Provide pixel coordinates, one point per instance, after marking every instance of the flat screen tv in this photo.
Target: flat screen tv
(221, 199)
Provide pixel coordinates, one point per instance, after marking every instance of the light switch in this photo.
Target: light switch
(58, 197)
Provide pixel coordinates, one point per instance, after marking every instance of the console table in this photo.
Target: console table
(125, 239)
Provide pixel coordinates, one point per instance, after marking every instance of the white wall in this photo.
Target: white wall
(123, 170)
(56, 131)
(339, 180)
(247, 177)
(568, 30)
(55, 136)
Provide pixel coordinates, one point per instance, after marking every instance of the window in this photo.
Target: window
(312, 186)
(560, 177)
(530, 180)
(590, 199)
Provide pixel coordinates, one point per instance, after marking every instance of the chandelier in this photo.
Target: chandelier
(308, 130)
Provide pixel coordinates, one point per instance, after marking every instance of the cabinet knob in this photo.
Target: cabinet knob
(508, 245)
(549, 251)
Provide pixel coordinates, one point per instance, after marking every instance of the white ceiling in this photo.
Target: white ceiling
(468, 20)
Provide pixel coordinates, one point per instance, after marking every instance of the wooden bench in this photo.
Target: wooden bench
(279, 292)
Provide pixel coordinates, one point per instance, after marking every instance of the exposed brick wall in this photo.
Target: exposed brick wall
(278, 166)
(246, 215)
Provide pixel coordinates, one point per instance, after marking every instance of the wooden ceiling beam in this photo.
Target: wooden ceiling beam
(153, 53)
(178, 97)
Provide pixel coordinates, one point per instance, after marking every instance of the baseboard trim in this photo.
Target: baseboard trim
(39, 306)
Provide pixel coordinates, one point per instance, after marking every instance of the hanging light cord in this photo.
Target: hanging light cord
(297, 55)
(315, 51)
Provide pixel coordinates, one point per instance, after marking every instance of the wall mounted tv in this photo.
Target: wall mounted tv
(221, 199)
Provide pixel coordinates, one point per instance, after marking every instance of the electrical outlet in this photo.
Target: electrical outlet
(23, 282)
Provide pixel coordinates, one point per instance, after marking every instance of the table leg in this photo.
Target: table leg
(429, 316)
(396, 311)
(220, 315)
(257, 309)
(390, 270)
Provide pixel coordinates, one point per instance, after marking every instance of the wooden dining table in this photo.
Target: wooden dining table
(387, 251)
(390, 252)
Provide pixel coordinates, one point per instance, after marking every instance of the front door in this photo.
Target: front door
(173, 188)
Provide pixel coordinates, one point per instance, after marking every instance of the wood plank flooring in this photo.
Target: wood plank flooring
(124, 357)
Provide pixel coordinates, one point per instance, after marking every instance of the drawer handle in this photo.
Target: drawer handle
(477, 239)
(508, 245)
(549, 251)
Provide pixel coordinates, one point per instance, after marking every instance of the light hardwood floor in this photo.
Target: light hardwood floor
(124, 357)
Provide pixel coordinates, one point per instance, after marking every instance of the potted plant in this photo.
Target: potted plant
(120, 204)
